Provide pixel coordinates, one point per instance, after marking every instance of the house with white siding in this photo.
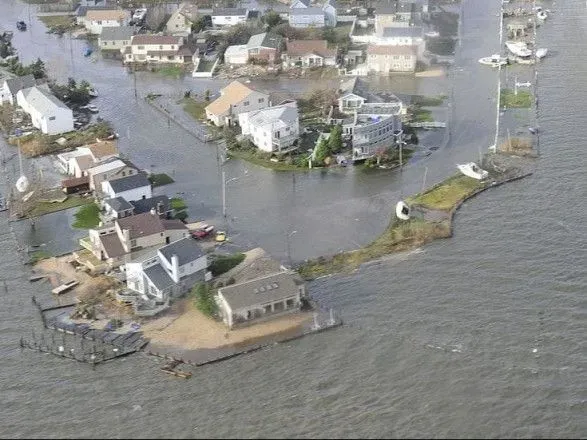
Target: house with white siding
(308, 53)
(235, 98)
(113, 39)
(133, 187)
(388, 59)
(307, 17)
(272, 128)
(109, 169)
(330, 14)
(181, 21)
(96, 19)
(222, 17)
(10, 87)
(158, 49)
(47, 113)
(77, 162)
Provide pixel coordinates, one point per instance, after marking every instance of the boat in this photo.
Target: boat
(93, 93)
(90, 107)
(533, 130)
(88, 52)
(518, 48)
(494, 60)
(27, 196)
(402, 210)
(65, 287)
(541, 53)
(472, 170)
(432, 34)
(21, 25)
(541, 15)
(524, 84)
(22, 183)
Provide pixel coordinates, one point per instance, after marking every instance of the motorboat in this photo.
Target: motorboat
(533, 130)
(22, 183)
(472, 170)
(541, 53)
(494, 60)
(88, 51)
(524, 84)
(518, 48)
(21, 25)
(90, 107)
(542, 15)
(402, 210)
(432, 34)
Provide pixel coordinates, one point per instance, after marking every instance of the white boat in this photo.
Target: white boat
(541, 15)
(139, 14)
(402, 210)
(524, 84)
(494, 60)
(92, 108)
(432, 34)
(22, 183)
(471, 169)
(541, 53)
(518, 48)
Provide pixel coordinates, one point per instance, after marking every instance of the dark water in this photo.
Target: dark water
(481, 335)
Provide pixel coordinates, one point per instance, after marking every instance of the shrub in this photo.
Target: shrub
(205, 301)
(223, 263)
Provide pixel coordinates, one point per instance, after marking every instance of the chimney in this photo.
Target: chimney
(160, 207)
(153, 212)
(175, 268)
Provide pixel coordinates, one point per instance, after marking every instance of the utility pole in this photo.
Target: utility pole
(224, 194)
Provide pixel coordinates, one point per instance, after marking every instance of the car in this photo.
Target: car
(203, 231)
(220, 236)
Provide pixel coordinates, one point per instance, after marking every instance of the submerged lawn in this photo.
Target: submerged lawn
(87, 217)
(447, 194)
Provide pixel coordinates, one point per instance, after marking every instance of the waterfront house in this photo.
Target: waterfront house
(79, 161)
(265, 47)
(109, 169)
(330, 14)
(272, 128)
(113, 39)
(181, 21)
(237, 54)
(96, 19)
(117, 207)
(172, 271)
(161, 205)
(234, 99)
(47, 113)
(308, 53)
(228, 16)
(306, 17)
(393, 58)
(261, 298)
(133, 187)
(159, 49)
(12, 86)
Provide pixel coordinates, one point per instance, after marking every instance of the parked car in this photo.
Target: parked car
(203, 232)
(220, 236)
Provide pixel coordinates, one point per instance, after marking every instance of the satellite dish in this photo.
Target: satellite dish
(402, 210)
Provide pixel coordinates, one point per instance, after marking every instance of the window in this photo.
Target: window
(289, 303)
(160, 47)
(99, 22)
(123, 174)
(51, 118)
(267, 308)
(170, 57)
(133, 243)
(261, 100)
(161, 234)
(125, 43)
(141, 47)
(172, 47)
(246, 103)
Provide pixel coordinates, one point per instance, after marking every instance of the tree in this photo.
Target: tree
(207, 95)
(5, 49)
(71, 84)
(230, 138)
(321, 151)
(85, 85)
(199, 24)
(38, 70)
(205, 301)
(271, 19)
(335, 140)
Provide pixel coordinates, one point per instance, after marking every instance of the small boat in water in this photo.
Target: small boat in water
(90, 107)
(472, 170)
(518, 48)
(432, 34)
(93, 93)
(494, 60)
(88, 52)
(541, 53)
(402, 210)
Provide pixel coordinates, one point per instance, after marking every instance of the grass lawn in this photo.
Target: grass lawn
(37, 256)
(43, 208)
(447, 194)
(509, 99)
(171, 71)
(63, 22)
(223, 263)
(88, 216)
(428, 101)
(196, 109)
(160, 179)
(251, 157)
(422, 115)
(178, 203)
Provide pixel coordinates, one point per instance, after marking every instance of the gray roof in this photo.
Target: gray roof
(307, 11)
(331, 3)
(42, 100)
(265, 39)
(158, 277)
(229, 11)
(186, 249)
(117, 33)
(414, 31)
(130, 182)
(19, 83)
(118, 204)
(145, 205)
(267, 289)
(305, 2)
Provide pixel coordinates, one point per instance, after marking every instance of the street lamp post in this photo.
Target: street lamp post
(289, 247)
(400, 141)
(224, 183)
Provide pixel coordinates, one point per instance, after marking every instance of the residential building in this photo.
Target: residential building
(172, 271)
(79, 161)
(12, 86)
(308, 53)
(237, 54)
(300, 4)
(386, 59)
(117, 207)
(161, 205)
(272, 128)
(109, 169)
(113, 39)
(261, 298)
(234, 99)
(330, 14)
(181, 21)
(133, 187)
(47, 113)
(403, 36)
(161, 49)
(266, 47)
(394, 14)
(307, 17)
(96, 19)
(228, 16)
(75, 185)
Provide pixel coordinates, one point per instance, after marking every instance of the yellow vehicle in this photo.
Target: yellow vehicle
(220, 236)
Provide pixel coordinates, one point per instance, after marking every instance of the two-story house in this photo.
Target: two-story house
(160, 49)
(308, 53)
(330, 14)
(235, 98)
(386, 59)
(222, 17)
(266, 46)
(307, 17)
(48, 114)
(113, 39)
(134, 187)
(109, 169)
(272, 128)
(77, 162)
(181, 21)
(96, 19)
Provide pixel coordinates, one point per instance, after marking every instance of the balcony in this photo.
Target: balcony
(284, 141)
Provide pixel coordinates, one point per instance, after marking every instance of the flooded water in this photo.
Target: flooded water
(481, 335)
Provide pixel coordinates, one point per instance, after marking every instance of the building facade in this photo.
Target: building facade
(47, 113)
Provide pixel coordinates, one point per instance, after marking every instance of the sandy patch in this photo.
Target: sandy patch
(189, 329)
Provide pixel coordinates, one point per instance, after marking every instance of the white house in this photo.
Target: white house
(133, 187)
(392, 58)
(272, 128)
(96, 19)
(48, 113)
(162, 49)
(238, 54)
(172, 271)
(109, 169)
(300, 4)
(77, 162)
(268, 296)
(308, 53)
(180, 22)
(228, 16)
(306, 17)
(117, 208)
(12, 86)
(234, 99)
(113, 39)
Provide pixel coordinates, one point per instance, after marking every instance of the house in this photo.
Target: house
(237, 54)
(330, 15)
(300, 4)
(306, 17)
(403, 36)
(116, 243)
(109, 169)
(234, 99)
(394, 14)
(268, 296)
(272, 128)
(181, 21)
(96, 19)
(228, 16)
(161, 205)
(173, 270)
(161, 49)
(386, 59)
(113, 39)
(308, 53)
(47, 113)
(117, 207)
(78, 162)
(12, 86)
(133, 187)
(75, 185)
(266, 46)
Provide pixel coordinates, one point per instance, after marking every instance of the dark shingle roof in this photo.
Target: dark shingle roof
(186, 249)
(141, 225)
(267, 289)
(112, 245)
(145, 205)
(158, 277)
(19, 83)
(229, 11)
(130, 182)
(118, 204)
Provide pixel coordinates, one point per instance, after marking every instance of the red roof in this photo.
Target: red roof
(155, 39)
(75, 181)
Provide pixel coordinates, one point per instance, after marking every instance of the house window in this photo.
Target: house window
(246, 103)
(160, 47)
(170, 57)
(261, 100)
(124, 43)
(267, 308)
(133, 243)
(289, 303)
(172, 47)
(123, 174)
(278, 306)
(161, 234)
(51, 118)
(141, 47)
(99, 22)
